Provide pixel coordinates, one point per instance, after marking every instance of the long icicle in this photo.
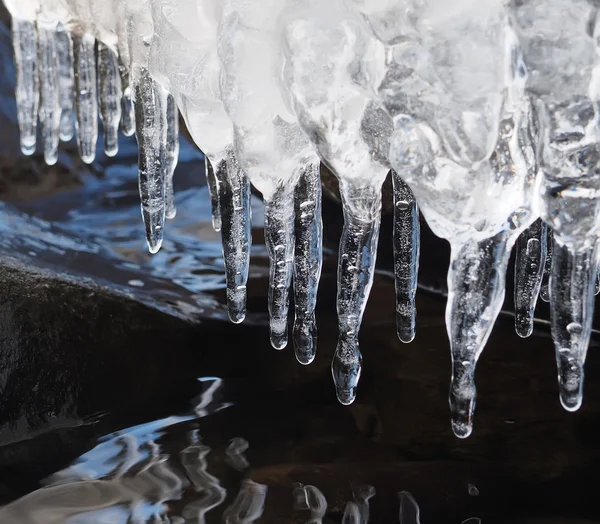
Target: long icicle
(109, 83)
(212, 182)
(279, 238)
(236, 234)
(475, 295)
(308, 259)
(171, 154)
(529, 269)
(64, 50)
(150, 132)
(27, 92)
(407, 238)
(49, 110)
(86, 100)
(545, 288)
(571, 314)
(356, 268)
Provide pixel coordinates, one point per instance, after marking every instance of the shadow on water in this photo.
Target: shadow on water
(128, 397)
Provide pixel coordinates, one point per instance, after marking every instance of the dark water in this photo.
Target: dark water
(175, 433)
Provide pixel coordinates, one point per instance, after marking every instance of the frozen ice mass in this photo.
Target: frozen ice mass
(485, 113)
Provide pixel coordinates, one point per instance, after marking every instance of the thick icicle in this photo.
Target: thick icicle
(26, 63)
(150, 133)
(529, 269)
(279, 238)
(475, 295)
(357, 256)
(193, 459)
(545, 288)
(406, 257)
(571, 313)
(109, 84)
(86, 101)
(307, 261)
(64, 53)
(171, 154)
(49, 110)
(212, 181)
(249, 504)
(236, 234)
(409, 509)
(316, 503)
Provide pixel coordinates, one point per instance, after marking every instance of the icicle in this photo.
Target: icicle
(193, 459)
(409, 509)
(249, 504)
(545, 289)
(213, 179)
(351, 514)
(150, 133)
(529, 268)
(172, 154)
(357, 255)
(50, 110)
(571, 313)
(110, 95)
(127, 106)
(236, 235)
(279, 238)
(475, 295)
(361, 497)
(307, 261)
(65, 82)
(86, 101)
(406, 257)
(26, 57)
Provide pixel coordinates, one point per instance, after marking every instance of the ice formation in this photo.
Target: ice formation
(484, 112)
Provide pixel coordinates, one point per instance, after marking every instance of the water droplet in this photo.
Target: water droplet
(575, 328)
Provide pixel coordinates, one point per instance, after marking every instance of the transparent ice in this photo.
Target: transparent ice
(484, 114)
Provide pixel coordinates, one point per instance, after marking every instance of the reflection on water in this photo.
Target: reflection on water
(129, 478)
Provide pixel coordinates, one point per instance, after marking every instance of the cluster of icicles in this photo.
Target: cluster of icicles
(485, 111)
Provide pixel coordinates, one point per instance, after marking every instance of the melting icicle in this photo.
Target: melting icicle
(109, 84)
(150, 133)
(50, 109)
(86, 101)
(406, 257)
(64, 53)
(236, 235)
(571, 313)
(213, 494)
(212, 182)
(279, 239)
(409, 512)
(307, 261)
(26, 62)
(171, 154)
(529, 268)
(357, 255)
(475, 296)
(351, 514)
(249, 504)
(545, 289)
